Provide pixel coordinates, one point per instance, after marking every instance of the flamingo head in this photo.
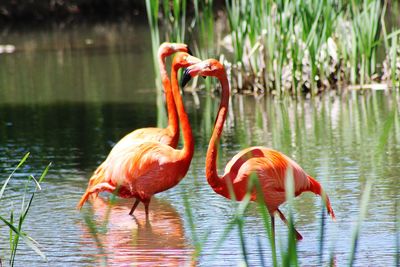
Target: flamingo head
(166, 49)
(208, 67)
(184, 60)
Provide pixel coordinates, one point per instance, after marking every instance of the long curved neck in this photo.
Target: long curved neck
(211, 159)
(173, 124)
(188, 143)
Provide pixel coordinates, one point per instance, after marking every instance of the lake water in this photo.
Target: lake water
(67, 96)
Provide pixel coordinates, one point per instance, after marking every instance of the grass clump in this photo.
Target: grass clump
(16, 221)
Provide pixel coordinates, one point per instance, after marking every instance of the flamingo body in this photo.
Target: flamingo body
(271, 168)
(139, 171)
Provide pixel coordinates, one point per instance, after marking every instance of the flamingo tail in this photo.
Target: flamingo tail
(316, 188)
(97, 178)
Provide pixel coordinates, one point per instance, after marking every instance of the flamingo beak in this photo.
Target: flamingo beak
(185, 77)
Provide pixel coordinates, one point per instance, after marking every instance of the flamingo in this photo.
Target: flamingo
(144, 168)
(169, 135)
(269, 165)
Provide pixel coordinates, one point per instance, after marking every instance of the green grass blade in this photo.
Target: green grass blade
(28, 240)
(240, 223)
(356, 232)
(12, 173)
(44, 173)
(322, 232)
(23, 215)
(189, 215)
(228, 229)
(11, 233)
(291, 255)
(36, 182)
(265, 216)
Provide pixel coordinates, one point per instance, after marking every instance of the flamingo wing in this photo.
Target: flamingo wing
(144, 168)
(145, 134)
(271, 168)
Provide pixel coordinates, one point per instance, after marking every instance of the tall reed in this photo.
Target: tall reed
(174, 15)
(288, 47)
(365, 35)
(304, 45)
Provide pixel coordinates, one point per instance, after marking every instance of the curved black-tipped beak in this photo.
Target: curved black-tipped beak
(185, 77)
(189, 51)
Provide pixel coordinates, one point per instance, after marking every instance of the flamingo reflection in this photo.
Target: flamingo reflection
(135, 241)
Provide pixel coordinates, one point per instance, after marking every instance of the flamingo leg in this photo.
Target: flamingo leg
(134, 206)
(146, 207)
(298, 235)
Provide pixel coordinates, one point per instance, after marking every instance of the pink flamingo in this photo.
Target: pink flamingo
(144, 168)
(270, 165)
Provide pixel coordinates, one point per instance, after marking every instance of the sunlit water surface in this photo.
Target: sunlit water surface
(68, 96)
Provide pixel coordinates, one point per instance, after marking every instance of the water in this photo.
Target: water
(68, 96)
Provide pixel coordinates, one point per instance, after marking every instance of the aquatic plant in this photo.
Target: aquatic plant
(174, 22)
(391, 64)
(305, 44)
(291, 47)
(15, 223)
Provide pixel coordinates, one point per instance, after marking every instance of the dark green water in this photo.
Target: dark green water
(68, 96)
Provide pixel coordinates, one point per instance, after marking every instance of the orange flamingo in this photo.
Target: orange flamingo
(169, 135)
(144, 168)
(269, 165)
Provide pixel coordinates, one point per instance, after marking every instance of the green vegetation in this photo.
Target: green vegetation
(291, 47)
(15, 225)
(307, 45)
(175, 26)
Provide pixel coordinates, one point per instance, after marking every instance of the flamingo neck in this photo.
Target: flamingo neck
(188, 143)
(216, 182)
(173, 124)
